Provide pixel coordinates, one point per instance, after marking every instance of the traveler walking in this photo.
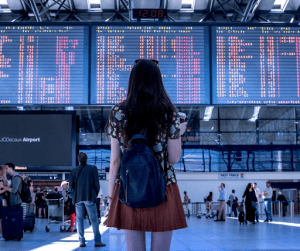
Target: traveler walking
(186, 198)
(259, 199)
(267, 196)
(186, 201)
(30, 206)
(233, 203)
(41, 203)
(283, 202)
(84, 181)
(147, 110)
(250, 203)
(222, 198)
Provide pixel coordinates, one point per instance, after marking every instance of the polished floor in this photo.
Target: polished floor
(202, 234)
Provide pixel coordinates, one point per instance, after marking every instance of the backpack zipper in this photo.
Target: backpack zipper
(126, 191)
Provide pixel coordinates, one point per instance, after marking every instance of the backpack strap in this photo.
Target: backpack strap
(77, 179)
(139, 136)
(20, 184)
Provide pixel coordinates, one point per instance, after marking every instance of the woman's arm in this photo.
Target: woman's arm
(115, 162)
(174, 146)
(244, 195)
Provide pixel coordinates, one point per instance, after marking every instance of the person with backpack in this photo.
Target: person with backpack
(16, 186)
(145, 132)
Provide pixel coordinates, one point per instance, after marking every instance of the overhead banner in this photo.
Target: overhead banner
(44, 176)
(231, 176)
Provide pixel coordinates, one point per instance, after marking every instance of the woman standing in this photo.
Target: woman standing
(147, 110)
(186, 201)
(251, 203)
(30, 206)
(186, 198)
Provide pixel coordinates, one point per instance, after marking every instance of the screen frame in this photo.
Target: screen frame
(208, 54)
(73, 137)
(86, 51)
(213, 61)
(206, 24)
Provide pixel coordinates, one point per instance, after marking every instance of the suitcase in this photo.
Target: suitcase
(242, 218)
(12, 223)
(29, 222)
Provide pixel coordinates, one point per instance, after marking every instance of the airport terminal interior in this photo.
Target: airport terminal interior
(231, 66)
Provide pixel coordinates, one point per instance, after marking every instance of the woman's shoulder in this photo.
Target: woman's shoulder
(118, 109)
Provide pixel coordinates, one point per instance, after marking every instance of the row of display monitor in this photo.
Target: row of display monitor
(200, 64)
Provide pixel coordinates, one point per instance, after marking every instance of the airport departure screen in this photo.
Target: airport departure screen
(44, 64)
(255, 65)
(182, 53)
(36, 139)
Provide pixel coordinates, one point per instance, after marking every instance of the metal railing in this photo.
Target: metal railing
(277, 208)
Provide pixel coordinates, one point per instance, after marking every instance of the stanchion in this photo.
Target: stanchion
(261, 211)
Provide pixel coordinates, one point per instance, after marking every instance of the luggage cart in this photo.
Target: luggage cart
(56, 213)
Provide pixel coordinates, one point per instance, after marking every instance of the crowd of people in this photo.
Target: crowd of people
(10, 195)
(251, 199)
(147, 118)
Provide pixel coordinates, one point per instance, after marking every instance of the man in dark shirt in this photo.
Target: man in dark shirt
(84, 181)
(283, 202)
(41, 203)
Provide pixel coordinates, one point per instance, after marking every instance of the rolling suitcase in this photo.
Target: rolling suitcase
(242, 218)
(12, 223)
(29, 222)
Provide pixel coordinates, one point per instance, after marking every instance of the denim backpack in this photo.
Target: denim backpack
(141, 180)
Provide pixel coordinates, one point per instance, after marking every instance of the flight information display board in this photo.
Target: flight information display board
(44, 64)
(255, 65)
(182, 52)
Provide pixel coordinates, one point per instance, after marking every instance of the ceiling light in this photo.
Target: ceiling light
(208, 113)
(255, 114)
(94, 1)
(279, 5)
(3, 2)
(69, 108)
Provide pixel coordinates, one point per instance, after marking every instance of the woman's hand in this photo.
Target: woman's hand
(105, 222)
(182, 128)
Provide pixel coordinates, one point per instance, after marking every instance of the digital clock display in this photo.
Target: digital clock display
(149, 13)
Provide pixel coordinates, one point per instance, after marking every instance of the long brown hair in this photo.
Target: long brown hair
(248, 186)
(148, 106)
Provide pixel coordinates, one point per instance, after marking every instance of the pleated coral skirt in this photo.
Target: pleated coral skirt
(167, 216)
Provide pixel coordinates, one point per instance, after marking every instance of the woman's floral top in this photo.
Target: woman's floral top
(117, 121)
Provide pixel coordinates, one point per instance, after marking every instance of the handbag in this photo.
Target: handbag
(253, 204)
